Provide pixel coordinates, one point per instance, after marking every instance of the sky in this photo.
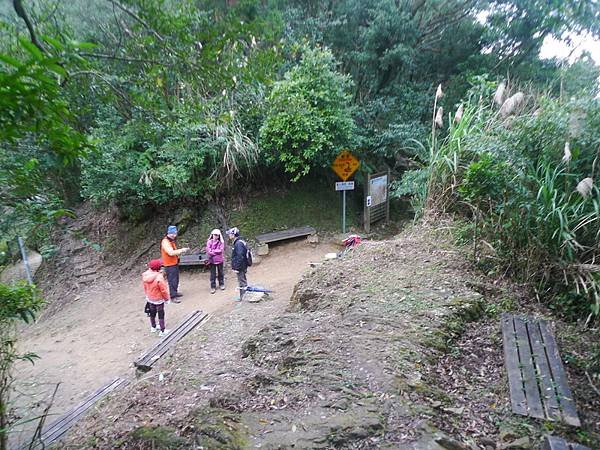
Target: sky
(552, 48)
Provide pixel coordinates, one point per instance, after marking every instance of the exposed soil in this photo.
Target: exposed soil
(96, 337)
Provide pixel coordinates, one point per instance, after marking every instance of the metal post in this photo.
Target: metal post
(343, 211)
(25, 261)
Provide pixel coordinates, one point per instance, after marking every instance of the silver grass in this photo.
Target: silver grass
(459, 113)
(499, 95)
(585, 186)
(567, 153)
(511, 104)
(439, 117)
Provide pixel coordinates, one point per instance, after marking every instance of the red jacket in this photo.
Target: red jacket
(155, 287)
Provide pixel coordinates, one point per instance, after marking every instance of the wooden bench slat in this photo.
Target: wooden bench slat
(530, 382)
(284, 234)
(511, 359)
(540, 360)
(565, 396)
(197, 259)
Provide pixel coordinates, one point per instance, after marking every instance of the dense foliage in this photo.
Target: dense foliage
(526, 180)
(145, 103)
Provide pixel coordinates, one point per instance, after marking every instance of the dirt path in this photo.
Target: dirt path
(96, 338)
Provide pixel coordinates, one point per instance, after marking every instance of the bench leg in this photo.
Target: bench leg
(263, 250)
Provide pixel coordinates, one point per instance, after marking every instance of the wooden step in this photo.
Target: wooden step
(556, 443)
(59, 427)
(145, 361)
(537, 379)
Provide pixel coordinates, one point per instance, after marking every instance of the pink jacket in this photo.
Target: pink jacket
(214, 249)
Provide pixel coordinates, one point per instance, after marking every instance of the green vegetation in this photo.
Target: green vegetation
(307, 203)
(20, 303)
(524, 174)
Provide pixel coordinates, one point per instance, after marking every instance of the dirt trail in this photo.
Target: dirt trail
(95, 339)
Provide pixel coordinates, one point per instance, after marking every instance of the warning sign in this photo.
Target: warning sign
(345, 165)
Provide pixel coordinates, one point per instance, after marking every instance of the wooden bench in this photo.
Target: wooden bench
(265, 239)
(536, 376)
(555, 443)
(198, 259)
(146, 360)
(58, 428)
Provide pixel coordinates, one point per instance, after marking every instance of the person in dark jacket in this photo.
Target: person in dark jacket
(239, 263)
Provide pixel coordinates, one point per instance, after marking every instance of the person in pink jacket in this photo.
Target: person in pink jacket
(215, 246)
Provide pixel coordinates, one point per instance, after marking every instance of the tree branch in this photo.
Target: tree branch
(123, 58)
(137, 18)
(23, 15)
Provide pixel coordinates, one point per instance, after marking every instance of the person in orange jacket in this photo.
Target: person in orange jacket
(170, 258)
(157, 294)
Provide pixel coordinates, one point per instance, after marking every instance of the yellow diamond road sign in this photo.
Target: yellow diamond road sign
(345, 164)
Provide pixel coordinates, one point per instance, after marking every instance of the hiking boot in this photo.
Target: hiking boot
(213, 290)
(164, 332)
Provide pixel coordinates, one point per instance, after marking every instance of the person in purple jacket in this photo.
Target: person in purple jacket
(215, 246)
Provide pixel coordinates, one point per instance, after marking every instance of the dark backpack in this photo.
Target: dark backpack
(248, 254)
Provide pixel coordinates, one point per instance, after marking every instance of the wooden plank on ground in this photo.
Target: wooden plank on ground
(579, 447)
(530, 382)
(565, 396)
(58, 428)
(556, 443)
(513, 367)
(540, 359)
(284, 234)
(146, 360)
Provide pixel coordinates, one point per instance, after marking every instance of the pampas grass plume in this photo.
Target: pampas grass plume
(438, 92)
(439, 117)
(567, 153)
(511, 104)
(459, 113)
(585, 186)
(499, 95)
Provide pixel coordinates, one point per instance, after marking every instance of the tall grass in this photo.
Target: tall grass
(507, 172)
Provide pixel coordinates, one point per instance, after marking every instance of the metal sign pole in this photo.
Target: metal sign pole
(343, 211)
(25, 261)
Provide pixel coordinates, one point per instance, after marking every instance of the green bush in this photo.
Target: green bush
(309, 117)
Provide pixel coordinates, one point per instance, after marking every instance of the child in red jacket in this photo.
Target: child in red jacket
(157, 294)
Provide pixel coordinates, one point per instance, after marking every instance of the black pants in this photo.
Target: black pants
(173, 279)
(214, 270)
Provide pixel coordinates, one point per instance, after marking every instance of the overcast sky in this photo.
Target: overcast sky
(555, 48)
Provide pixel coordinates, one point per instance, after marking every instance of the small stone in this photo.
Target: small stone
(450, 444)
(522, 443)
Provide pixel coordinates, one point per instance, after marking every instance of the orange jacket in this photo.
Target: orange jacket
(155, 287)
(168, 260)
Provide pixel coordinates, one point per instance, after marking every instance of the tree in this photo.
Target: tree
(309, 115)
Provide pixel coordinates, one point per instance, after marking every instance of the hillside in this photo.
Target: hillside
(397, 345)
